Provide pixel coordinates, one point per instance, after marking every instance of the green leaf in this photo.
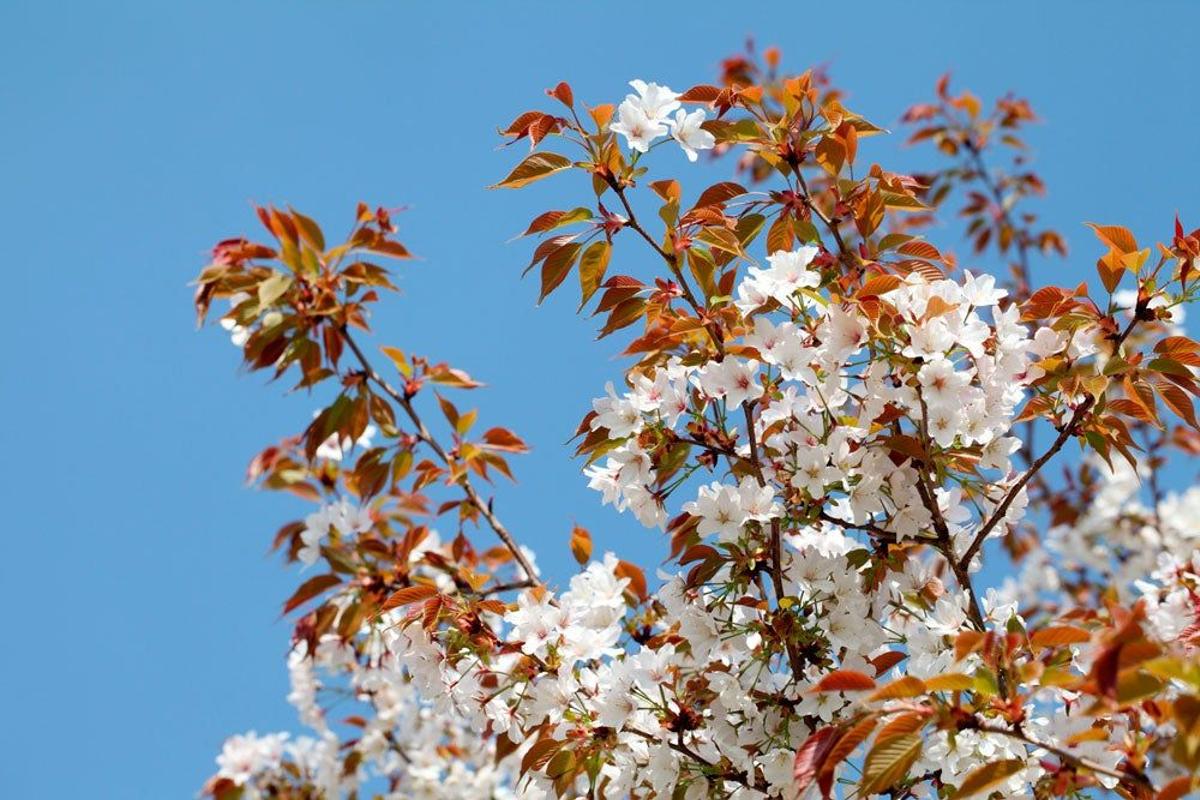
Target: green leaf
(273, 288)
(749, 227)
(309, 230)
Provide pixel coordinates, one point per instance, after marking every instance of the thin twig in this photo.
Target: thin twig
(1068, 757)
(737, 776)
(829, 222)
(1068, 430)
(672, 261)
(484, 507)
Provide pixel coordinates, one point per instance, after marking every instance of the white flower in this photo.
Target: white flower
(790, 272)
(981, 291)
(656, 101)
(842, 335)
(639, 129)
(244, 757)
(1047, 342)
(720, 511)
(758, 502)
(929, 339)
(620, 415)
(944, 421)
(642, 117)
(238, 334)
(535, 623)
(733, 379)
(342, 516)
(813, 472)
(686, 130)
(334, 450)
(941, 383)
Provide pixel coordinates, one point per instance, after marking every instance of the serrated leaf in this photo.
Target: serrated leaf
(906, 686)
(1177, 400)
(845, 745)
(310, 589)
(1116, 237)
(950, 682)
(1058, 635)
(720, 193)
(845, 680)
(551, 220)
(408, 595)
(888, 763)
(592, 266)
(556, 267)
(810, 758)
(535, 167)
(988, 777)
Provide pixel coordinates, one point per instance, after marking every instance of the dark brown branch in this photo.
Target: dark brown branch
(735, 775)
(1068, 430)
(1070, 758)
(881, 534)
(500, 588)
(945, 544)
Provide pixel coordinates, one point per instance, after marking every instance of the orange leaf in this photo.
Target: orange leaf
(907, 686)
(505, 440)
(846, 745)
(637, 578)
(310, 589)
(1175, 789)
(1116, 237)
(1178, 401)
(720, 193)
(1058, 635)
(810, 758)
(845, 680)
(877, 285)
(988, 776)
(535, 167)
(408, 595)
(900, 725)
(581, 544)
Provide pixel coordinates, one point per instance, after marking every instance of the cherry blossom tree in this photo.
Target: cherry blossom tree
(826, 418)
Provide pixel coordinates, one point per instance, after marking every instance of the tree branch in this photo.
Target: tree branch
(806, 196)
(672, 260)
(1066, 433)
(945, 544)
(736, 776)
(1068, 757)
(424, 435)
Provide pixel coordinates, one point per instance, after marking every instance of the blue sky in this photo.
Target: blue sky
(143, 607)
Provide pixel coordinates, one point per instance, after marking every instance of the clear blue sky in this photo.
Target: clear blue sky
(143, 612)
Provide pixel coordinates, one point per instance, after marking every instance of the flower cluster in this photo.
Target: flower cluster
(832, 425)
(645, 116)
